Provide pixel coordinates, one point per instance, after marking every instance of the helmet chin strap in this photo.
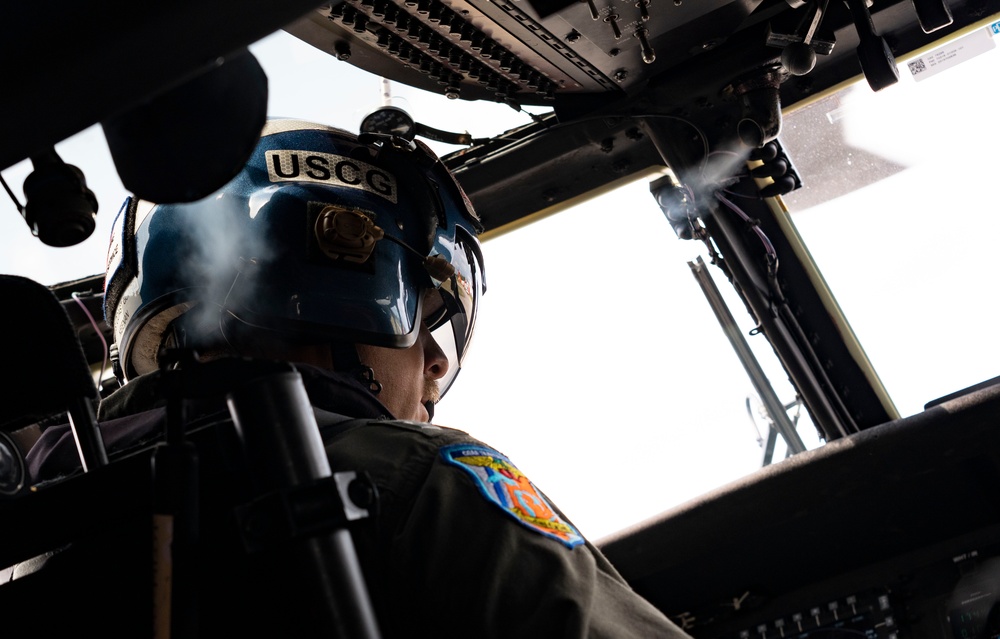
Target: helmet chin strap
(345, 358)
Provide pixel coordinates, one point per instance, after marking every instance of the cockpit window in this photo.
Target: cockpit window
(618, 363)
(898, 208)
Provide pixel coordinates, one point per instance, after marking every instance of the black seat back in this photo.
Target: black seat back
(48, 373)
(50, 370)
(154, 538)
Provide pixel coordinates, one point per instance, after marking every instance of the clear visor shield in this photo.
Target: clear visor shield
(451, 315)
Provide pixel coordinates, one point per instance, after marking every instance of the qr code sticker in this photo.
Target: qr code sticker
(917, 66)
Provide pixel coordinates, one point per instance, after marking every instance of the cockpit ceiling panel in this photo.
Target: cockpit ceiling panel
(505, 49)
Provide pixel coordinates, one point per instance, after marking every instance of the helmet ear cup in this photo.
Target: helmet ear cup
(188, 142)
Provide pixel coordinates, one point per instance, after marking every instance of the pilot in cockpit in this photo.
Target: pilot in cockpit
(357, 260)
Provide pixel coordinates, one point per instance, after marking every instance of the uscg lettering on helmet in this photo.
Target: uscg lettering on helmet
(326, 168)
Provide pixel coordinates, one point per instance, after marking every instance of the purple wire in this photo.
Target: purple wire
(100, 334)
(746, 218)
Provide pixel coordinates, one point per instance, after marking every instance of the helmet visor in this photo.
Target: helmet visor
(453, 321)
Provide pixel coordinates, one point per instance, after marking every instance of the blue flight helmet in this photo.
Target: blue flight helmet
(323, 237)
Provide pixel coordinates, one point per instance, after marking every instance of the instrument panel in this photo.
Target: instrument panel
(892, 532)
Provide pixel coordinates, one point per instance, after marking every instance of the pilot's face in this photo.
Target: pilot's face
(409, 375)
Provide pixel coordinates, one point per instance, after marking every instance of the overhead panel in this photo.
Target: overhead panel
(505, 50)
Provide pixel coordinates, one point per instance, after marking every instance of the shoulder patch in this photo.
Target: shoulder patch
(507, 487)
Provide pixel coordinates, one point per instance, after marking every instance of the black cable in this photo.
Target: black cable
(558, 125)
(20, 208)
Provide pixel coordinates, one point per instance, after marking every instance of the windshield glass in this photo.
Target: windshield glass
(899, 210)
(601, 369)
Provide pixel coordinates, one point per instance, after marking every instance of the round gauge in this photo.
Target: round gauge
(390, 120)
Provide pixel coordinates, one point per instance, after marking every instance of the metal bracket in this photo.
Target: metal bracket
(306, 510)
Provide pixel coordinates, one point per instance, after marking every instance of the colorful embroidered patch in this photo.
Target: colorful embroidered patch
(504, 485)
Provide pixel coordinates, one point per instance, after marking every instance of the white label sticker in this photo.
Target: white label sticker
(955, 52)
(333, 170)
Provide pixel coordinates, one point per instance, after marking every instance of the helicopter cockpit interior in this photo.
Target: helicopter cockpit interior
(886, 527)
